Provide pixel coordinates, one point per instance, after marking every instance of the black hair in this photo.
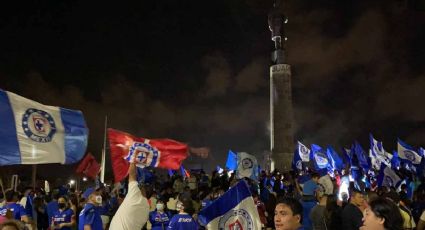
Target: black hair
(386, 209)
(294, 205)
(315, 175)
(10, 195)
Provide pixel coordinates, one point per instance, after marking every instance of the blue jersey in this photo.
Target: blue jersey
(90, 216)
(182, 222)
(52, 208)
(159, 220)
(63, 217)
(17, 210)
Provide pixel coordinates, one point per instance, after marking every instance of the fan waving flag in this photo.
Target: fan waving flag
(321, 161)
(335, 160)
(33, 133)
(407, 152)
(378, 154)
(235, 209)
(161, 153)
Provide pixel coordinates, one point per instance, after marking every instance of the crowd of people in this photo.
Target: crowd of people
(285, 201)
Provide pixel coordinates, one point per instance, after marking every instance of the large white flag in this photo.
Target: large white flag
(247, 166)
(235, 209)
(33, 133)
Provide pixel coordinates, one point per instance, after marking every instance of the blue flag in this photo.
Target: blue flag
(297, 163)
(335, 160)
(395, 161)
(321, 161)
(361, 156)
(232, 161)
(235, 209)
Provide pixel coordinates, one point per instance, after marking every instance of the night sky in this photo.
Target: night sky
(198, 71)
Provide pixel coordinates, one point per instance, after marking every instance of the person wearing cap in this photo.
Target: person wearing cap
(134, 210)
(89, 218)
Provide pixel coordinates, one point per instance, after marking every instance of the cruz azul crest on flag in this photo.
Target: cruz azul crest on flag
(236, 220)
(144, 154)
(321, 159)
(38, 125)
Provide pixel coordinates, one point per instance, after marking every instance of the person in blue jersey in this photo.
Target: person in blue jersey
(64, 218)
(183, 220)
(89, 218)
(52, 207)
(159, 218)
(18, 211)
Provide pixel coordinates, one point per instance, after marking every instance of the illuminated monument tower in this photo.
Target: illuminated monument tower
(281, 114)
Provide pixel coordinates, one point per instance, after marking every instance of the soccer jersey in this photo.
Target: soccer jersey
(17, 209)
(159, 220)
(62, 217)
(182, 222)
(90, 216)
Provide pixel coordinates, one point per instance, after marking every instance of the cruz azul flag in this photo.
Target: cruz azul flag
(247, 166)
(33, 133)
(407, 152)
(387, 177)
(235, 209)
(334, 158)
(161, 153)
(321, 161)
(378, 153)
(303, 152)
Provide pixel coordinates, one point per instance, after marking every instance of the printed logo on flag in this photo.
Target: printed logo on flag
(299, 165)
(144, 153)
(38, 125)
(236, 220)
(321, 159)
(247, 163)
(410, 155)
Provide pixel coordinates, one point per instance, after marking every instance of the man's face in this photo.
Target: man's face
(357, 199)
(284, 219)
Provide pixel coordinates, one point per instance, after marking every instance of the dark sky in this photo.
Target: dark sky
(198, 71)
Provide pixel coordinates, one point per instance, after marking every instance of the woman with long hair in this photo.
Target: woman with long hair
(382, 214)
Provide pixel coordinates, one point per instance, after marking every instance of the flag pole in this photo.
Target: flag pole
(34, 176)
(102, 172)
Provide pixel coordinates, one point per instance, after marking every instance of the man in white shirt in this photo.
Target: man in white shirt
(134, 210)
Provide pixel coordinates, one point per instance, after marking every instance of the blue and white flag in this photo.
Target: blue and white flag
(321, 161)
(378, 154)
(335, 160)
(407, 152)
(232, 160)
(387, 177)
(375, 161)
(247, 166)
(395, 161)
(235, 209)
(303, 152)
(33, 133)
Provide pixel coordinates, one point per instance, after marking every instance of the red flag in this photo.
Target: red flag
(161, 153)
(88, 166)
(201, 152)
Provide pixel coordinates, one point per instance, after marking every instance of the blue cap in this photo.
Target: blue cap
(88, 192)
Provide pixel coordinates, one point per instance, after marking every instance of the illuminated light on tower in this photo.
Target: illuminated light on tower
(281, 111)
